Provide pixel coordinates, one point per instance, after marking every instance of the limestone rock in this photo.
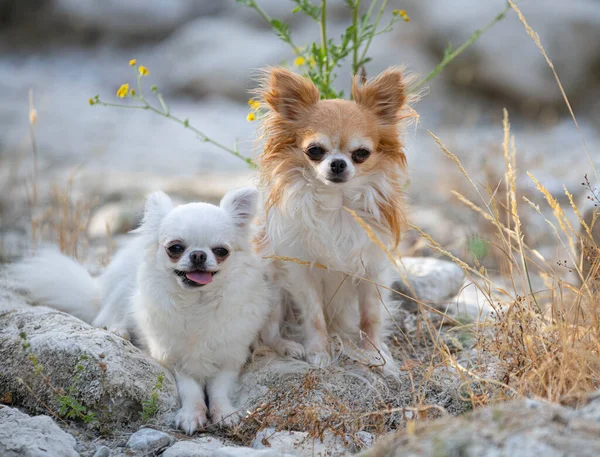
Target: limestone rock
(505, 59)
(521, 428)
(52, 354)
(298, 443)
(26, 436)
(147, 439)
(432, 280)
(199, 447)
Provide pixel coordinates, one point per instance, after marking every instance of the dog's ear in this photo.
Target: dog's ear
(287, 93)
(385, 95)
(240, 204)
(158, 205)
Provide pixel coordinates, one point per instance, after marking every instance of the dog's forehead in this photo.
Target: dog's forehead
(199, 224)
(341, 124)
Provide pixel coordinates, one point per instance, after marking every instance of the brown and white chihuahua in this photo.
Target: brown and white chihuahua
(321, 156)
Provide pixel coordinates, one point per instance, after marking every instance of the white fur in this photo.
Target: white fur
(41, 275)
(202, 333)
(311, 224)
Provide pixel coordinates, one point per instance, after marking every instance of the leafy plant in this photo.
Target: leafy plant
(319, 60)
(150, 406)
(69, 406)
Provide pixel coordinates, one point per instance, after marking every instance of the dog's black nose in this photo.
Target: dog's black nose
(198, 257)
(338, 166)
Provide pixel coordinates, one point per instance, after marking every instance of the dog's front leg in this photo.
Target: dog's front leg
(372, 309)
(308, 297)
(218, 388)
(192, 414)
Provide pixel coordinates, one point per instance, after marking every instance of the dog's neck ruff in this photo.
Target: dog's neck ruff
(310, 220)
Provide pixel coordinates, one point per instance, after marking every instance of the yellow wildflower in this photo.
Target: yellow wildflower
(132, 62)
(299, 61)
(253, 104)
(122, 92)
(91, 101)
(311, 62)
(402, 13)
(251, 117)
(132, 92)
(143, 71)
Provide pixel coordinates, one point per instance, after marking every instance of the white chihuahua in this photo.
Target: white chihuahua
(198, 303)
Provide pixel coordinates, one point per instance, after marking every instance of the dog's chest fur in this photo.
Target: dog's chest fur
(314, 226)
(203, 336)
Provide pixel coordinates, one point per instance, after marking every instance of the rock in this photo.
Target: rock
(201, 42)
(147, 439)
(26, 436)
(199, 447)
(505, 59)
(9, 298)
(521, 428)
(294, 396)
(115, 218)
(102, 451)
(429, 280)
(248, 452)
(133, 18)
(46, 354)
(297, 443)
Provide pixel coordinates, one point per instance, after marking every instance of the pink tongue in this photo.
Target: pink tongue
(200, 277)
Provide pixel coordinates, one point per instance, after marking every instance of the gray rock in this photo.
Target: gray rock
(147, 439)
(25, 436)
(102, 451)
(298, 443)
(429, 280)
(106, 374)
(248, 452)
(141, 18)
(200, 42)
(522, 428)
(505, 59)
(199, 447)
(291, 395)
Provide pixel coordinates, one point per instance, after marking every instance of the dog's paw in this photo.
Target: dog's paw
(381, 359)
(319, 359)
(289, 348)
(224, 416)
(190, 420)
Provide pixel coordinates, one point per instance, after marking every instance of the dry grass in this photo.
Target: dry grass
(64, 221)
(65, 218)
(540, 344)
(546, 341)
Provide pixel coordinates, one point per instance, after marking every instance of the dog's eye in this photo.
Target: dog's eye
(315, 152)
(221, 253)
(360, 155)
(175, 249)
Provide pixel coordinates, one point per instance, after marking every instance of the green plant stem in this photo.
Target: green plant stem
(324, 49)
(268, 18)
(450, 57)
(377, 19)
(146, 106)
(355, 38)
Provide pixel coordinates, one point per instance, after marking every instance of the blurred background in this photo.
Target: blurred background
(98, 163)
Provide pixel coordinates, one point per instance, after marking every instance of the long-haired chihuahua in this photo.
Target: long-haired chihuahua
(321, 157)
